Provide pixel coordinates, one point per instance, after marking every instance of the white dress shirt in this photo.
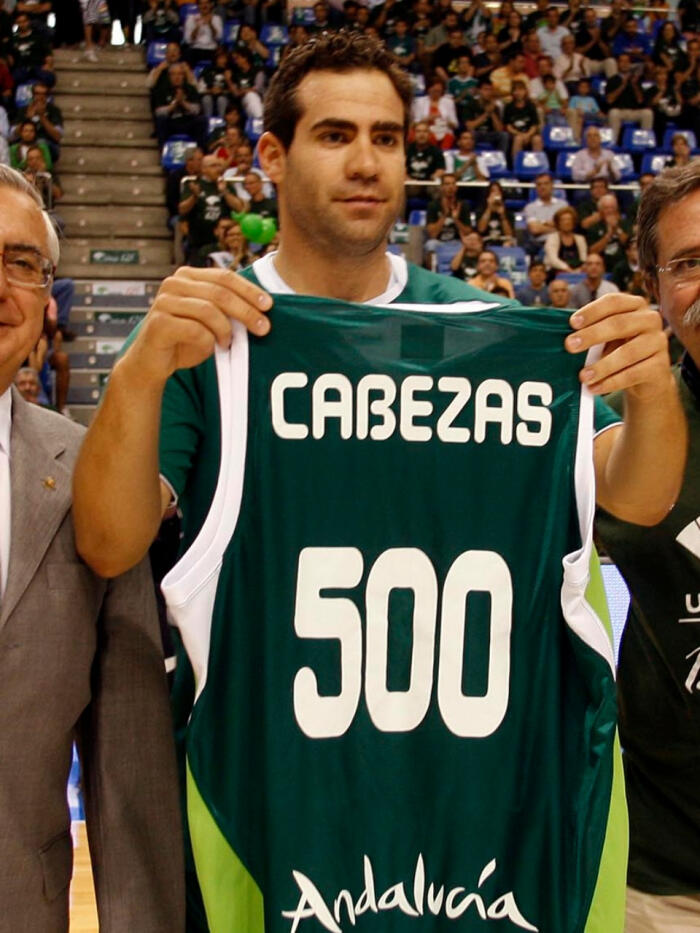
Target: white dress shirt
(5, 426)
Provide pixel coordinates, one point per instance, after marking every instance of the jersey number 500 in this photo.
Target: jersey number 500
(334, 617)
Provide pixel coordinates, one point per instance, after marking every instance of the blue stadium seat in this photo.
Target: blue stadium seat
(23, 94)
(607, 139)
(669, 134)
(186, 9)
(175, 151)
(273, 59)
(598, 83)
(512, 262)
(573, 278)
(214, 124)
(496, 163)
(394, 248)
(200, 66)
(230, 33)
(274, 34)
(556, 193)
(530, 164)
(418, 82)
(253, 128)
(417, 218)
(563, 166)
(653, 162)
(444, 253)
(556, 138)
(623, 161)
(303, 16)
(635, 139)
(155, 53)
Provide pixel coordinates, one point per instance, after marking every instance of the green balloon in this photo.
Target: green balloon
(251, 227)
(269, 230)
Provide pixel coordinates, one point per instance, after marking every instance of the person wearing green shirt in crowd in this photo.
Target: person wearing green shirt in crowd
(659, 665)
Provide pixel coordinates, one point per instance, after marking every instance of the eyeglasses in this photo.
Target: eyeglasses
(682, 271)
(26, 268)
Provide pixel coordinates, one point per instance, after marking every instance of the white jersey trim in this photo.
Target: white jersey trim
(578, 612)
(190, 587)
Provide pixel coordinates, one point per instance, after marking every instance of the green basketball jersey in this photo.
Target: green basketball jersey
(404, 713)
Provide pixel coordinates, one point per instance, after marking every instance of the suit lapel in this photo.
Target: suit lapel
(40, 496)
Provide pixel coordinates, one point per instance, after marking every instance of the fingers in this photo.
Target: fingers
(230, 294)
(603, 321)
(643, 359)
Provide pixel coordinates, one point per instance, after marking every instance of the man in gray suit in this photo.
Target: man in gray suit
(80, 657)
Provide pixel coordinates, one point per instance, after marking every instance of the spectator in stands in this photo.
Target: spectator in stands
(565, 250)
(437, 109)
(681, 151)
(248, 41)
(552, 33)
(689, 12)
(447, 55)
(7, 87)
(495, 223)
(615, 20)
(27, 139)
(178, 109)
(192, 167)
(535, 292)
(158, 79)
(126, 11)
(29, 51)
(236, 254)
(462, 85)
(560, 294)
(218, 244)
(248, 83)
(226, 147)
(668, 50)
(588, 211)
(511, 35)
(402, 44)
(95, 24)
(161, 21)
(448, 219)
(596, 52)
(258, 201)
(439, 33)
(424, 160)
(609, 237)
(552, 104)
(570, 66)
(583, 107)
(46, 182)
(626, 98)
(539, 214)
(27, 384)
(476, 18)
(628, 275)
(663, 100)
(203, 32)
(520, 119)
(594, 284)
(483, 117)
(630, 40)
(463, 264)
(202, 204)
(538, 17)
(594, 161)
(48, 355)
(487, 277)
(690, 102)
(322, 17)
(504, 77)
(215, 85)
(491, 58)
(464, 162)
(531, 55)
(46, 117)
(38, 12)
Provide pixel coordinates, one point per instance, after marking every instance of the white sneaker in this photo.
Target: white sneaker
(91, 55)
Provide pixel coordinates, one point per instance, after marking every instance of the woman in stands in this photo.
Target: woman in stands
(681, 151)
(564, 250)
(668, 50)
(496, 223)
(510, 38)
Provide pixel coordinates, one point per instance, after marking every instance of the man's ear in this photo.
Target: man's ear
(271, 155)
(652, 286)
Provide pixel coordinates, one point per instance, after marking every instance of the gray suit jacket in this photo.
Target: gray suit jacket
(80, 657)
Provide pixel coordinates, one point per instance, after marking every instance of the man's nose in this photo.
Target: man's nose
(362, 158)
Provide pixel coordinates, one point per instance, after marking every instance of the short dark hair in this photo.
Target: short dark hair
(335, 51)
(668, 188)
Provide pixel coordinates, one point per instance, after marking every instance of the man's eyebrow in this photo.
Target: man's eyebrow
(381, 126)
(687, 252)
(25, 247)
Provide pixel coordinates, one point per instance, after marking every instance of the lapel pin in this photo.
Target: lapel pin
(49, 482)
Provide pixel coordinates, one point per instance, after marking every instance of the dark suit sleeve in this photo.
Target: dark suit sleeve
(126, 747)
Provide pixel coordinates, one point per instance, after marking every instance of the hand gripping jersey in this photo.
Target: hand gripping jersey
(405, 703)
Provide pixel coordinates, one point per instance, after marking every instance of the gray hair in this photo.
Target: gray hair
(27, 371)
(669, 187)
(10, 178)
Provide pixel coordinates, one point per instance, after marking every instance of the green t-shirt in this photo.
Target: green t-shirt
(659, 679)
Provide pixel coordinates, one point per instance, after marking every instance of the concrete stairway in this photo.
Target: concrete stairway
(114, 195)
